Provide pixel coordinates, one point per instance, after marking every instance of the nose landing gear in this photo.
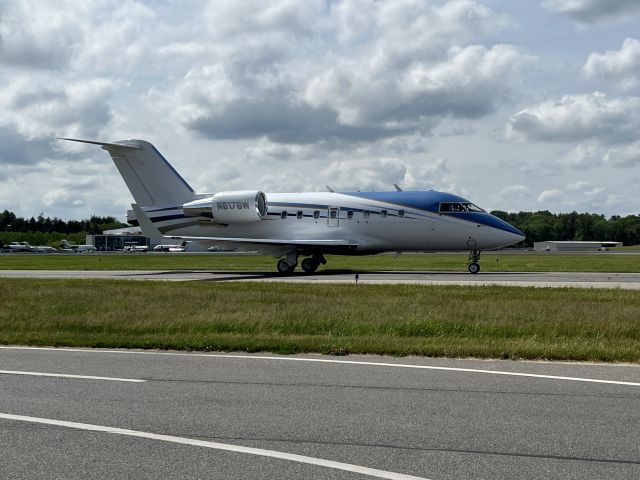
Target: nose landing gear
(474, 258)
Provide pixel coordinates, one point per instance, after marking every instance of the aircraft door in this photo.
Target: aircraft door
(333, 216)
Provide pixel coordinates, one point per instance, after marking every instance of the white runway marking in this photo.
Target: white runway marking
(347, 467)
(345, 362)
(64, 375)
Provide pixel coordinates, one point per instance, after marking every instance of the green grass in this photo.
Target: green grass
(490, 262)
(450, 321)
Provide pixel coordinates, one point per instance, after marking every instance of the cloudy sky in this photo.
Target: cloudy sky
(514, 104)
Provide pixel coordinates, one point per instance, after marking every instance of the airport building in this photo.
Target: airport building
(573, 246)
(114, 240)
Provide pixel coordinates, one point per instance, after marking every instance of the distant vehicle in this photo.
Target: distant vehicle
(134, 247)
(180, 247)
(305, 226)
(67, 247)
(218, 248)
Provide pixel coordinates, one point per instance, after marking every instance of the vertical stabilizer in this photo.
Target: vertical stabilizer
(149, 176)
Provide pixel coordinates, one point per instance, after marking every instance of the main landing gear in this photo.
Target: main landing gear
(288, 264)
(474, 258)
(285, 267)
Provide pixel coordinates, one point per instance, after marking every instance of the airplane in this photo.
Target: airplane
(67, 247)
(134, 247)
(26, 247)
(19, 247)
(181, 247)
(289, 226)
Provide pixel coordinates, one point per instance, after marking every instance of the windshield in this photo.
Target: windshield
(456, 207)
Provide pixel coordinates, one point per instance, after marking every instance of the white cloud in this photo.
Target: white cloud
(595, 116)
(624, 155)
(407, 55)
(584, 155)
(622, 67)
(592, 11)
(549, 196)
(515, 190)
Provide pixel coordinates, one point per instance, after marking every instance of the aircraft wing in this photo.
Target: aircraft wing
(271, 241)
(149, 229)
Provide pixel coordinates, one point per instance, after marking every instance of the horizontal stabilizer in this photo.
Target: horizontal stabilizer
(104, 144)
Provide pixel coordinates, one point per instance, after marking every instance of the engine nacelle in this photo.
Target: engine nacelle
(230, 207)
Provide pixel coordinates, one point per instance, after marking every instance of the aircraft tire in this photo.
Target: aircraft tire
(474, 268)
(284, 267)
(309, 265)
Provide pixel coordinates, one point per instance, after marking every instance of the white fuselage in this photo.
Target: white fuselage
(373, 225)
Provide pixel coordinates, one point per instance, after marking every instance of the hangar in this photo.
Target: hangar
(573, 246)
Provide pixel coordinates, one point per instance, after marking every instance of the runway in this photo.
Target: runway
(629, 281)
(197, 415)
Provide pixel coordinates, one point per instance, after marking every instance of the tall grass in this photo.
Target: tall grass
(488, 322)
(490, 262)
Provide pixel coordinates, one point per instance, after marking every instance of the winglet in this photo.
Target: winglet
(398, 189)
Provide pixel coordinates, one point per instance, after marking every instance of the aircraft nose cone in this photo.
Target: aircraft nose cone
(507, 233)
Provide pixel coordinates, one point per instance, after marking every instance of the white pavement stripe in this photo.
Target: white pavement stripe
(65, 375)
(326, 360)
(347, 467)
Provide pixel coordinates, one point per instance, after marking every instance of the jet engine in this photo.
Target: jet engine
(230, 207)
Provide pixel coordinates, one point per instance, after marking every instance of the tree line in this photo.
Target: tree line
(43, 230)
(544, 225)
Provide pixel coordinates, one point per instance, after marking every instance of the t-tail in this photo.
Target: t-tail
(151, 179)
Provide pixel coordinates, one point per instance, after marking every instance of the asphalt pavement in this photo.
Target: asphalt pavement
(629, 281)
(144, 414)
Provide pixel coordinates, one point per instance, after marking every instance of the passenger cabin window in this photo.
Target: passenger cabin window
(401, 213)
(283, 215)
(366, 214)
(350, 214)
(299, 214)
(316, 214)
(333, 213)
(383, 214)
(457, 207)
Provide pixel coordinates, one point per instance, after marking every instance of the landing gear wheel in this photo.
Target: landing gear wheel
(284, 267)
(474, 268)
(310, 265)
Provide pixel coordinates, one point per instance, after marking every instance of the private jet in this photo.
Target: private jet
(67, 247)
(179, 247)
(26, 247)
(134, 247)
(291, 226)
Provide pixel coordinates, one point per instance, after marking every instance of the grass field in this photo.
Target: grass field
(484, 322)
(490, 262)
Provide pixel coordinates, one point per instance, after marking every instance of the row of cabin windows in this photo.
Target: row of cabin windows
(334, 213)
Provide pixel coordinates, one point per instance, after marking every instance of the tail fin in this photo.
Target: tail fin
(149, 176)
(65, 243)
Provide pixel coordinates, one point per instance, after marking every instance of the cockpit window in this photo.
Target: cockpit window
(457, 207)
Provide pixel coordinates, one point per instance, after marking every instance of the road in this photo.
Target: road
(524, 279)
(143, 414)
